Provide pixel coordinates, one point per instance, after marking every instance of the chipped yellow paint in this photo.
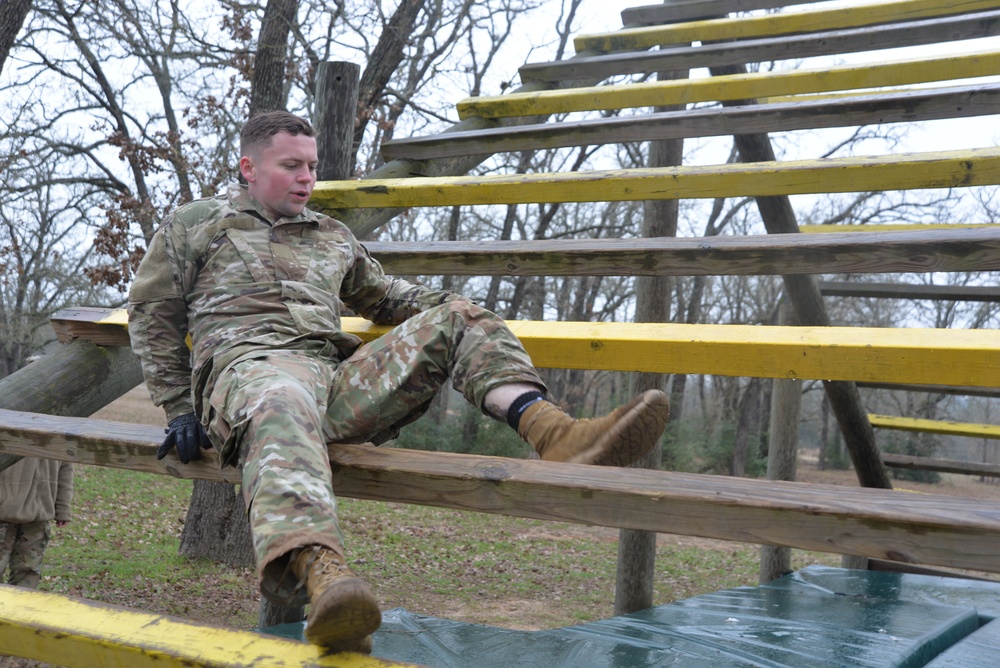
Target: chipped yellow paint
(76, 633)
(896, 355)
(854, 16)
(732, 87)
(919, 356)
(935, 426)
(889, 172)
(890, 227)
(119, 316)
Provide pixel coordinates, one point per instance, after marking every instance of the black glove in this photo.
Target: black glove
(185, 432)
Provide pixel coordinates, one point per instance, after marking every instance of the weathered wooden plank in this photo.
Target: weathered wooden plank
(937, 389)
(922, 356)
(836, 42)
(684, 10)
(889, 172)
(940, 465)
(785, 254)
(957, 293)
(907, 106)
(733, 87)
(948, 427)
(892, 227)
(77, 633)
(749, 27)
(914, 528)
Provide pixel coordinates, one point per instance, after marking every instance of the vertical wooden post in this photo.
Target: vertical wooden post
(336, 108)
(782, 450)
(76, 380)
(637, 549)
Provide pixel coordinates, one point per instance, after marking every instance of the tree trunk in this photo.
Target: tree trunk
(12, 15)
(267, 89)
(216, 527)
(382, 63)
(746, 426)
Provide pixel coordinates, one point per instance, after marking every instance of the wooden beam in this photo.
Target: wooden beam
(956, 293)
(77, 633)
(892, 227)
(733, 87)
(749, 27)
(935, 426)
(684, 10)
(855, 40)
(923, 356)
(993, 392)
(949, 169)
(940, 465)
(907, 106)
(754, 255)
(927, 529)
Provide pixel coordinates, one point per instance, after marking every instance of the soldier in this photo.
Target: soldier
(33, 492)
(258, 281)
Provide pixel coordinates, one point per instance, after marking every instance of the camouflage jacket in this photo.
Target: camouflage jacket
(242, 284)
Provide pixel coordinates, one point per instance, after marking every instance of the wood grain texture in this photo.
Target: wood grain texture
(733, 87)
(912, 528)
(948, 169)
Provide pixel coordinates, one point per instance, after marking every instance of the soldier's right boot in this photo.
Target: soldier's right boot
(618, 439)
(343, 610)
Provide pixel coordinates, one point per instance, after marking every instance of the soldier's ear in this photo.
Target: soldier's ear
(248, 169)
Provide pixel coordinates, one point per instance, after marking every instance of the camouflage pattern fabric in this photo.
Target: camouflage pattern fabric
(274, 376)
(22, 547)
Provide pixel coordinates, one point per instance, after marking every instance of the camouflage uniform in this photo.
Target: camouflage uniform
(22, 547)
(33, 492)
(273, 375)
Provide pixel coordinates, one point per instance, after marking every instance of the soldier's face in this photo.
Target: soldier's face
(281, 177)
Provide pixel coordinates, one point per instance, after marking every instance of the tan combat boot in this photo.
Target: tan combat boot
(343, 610)
(617, 439)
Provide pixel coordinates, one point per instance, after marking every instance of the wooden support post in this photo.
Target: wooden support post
(336, 111)
(779, 218)
(637, 549)
(782, 451)
(77, 380)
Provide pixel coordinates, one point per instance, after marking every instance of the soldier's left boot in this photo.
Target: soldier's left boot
(343, 610)
(618, 439)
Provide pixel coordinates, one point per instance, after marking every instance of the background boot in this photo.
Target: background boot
(343, 610)
(617, 439)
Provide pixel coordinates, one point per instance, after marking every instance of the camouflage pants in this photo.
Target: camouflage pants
(22, 547)
(282, 408)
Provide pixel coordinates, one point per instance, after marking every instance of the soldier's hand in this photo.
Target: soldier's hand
(186, 434)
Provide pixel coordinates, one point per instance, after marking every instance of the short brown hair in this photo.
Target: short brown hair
(257, 132)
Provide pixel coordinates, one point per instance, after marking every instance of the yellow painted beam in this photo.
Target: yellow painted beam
(890, 172)
(869, 354)
(77, 633)
(890, 227)
(732, 87)
(776, 24)
(935, 426)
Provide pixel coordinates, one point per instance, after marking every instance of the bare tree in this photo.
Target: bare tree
(12, 15)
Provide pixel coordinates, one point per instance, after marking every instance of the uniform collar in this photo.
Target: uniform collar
(241, 200)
